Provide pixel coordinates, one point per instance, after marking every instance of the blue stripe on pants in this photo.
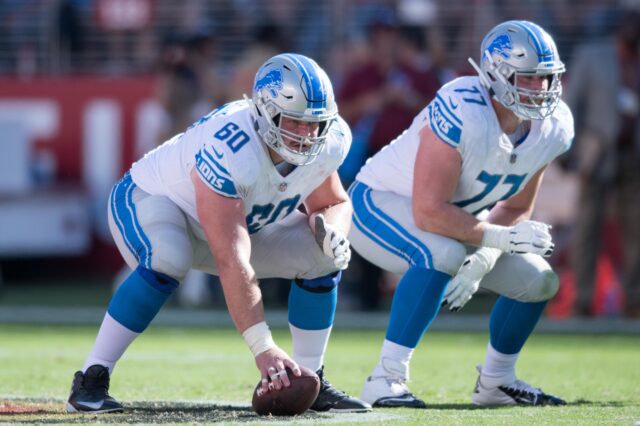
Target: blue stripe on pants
(385, 231)
(124, 215)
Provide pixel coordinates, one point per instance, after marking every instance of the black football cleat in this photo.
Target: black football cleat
(333, 400)
(90, 392)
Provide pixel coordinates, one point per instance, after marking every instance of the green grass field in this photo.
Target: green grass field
(196, 376)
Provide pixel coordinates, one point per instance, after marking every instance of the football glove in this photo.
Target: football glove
(333, 243)
(527, 236)
(466, 282)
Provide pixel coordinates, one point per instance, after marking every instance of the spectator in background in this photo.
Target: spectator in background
(267, 40)
(604, 94)
(187, 85)
(379, 99)
(71, 37)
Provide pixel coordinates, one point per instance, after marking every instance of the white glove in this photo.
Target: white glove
(333, 243)
(467, 280)
(528, 236)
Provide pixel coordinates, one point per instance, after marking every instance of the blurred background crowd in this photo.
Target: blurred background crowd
(88, 86)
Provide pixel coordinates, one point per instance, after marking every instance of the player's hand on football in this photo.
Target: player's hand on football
(272, 364)
(333, 242)
(528, 236)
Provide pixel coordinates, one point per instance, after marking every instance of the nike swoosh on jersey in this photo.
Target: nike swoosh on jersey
(215, 151)
(452, 105)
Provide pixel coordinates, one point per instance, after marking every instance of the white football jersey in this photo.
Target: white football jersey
(232, 161)
(461, 115)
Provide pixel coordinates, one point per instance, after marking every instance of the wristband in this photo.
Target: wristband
(258, 337)
(496, 236)
(487, 257)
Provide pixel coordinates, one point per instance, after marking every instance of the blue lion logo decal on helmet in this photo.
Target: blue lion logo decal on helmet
(501, 45)
(271, 81)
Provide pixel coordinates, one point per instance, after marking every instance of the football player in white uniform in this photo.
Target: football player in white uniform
(448, 204)
(223, 197)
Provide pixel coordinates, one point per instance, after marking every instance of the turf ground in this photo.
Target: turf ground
(198, 375)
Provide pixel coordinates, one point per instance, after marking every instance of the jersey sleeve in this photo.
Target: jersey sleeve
(213, 170)
(342, 133)
(564, 127)
(458, 113)
(443, 115)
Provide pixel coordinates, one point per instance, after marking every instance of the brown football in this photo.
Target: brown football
(295, 399)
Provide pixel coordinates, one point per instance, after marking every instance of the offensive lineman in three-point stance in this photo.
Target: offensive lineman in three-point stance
(223, 198)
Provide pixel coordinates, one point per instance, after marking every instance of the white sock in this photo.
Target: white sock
(499, 369)
(394, 360)
(112, 340)
(309, 346)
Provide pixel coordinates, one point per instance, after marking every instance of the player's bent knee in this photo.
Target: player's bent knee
(319, 267)
(158, 280)
(544, 288)
(173, 256)
(450, 258)
(321, 284)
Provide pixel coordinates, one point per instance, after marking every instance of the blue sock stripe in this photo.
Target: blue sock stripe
(310, 310)
(379, 223)
(139, 299)
(512, 322)
(416, 303)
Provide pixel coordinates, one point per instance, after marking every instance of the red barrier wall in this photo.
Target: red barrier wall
(71, 95)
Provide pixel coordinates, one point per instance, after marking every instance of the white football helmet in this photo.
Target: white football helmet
(516, 48)
(293, 86)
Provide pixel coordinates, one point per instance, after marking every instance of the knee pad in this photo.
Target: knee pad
(321, 284)
(172, 253)
(165, 226)
(544, 287)
(450, 257)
